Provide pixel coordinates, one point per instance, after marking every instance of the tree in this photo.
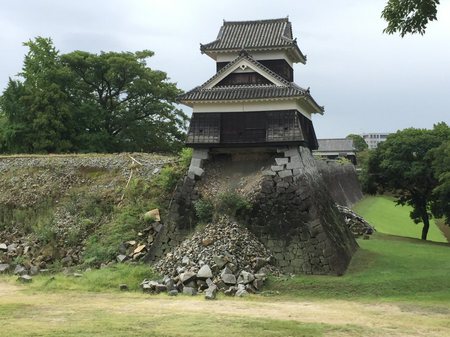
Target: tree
(441, 167)
(358, 142)
(409, 16)
(127, 104)
(83, 102)
(403, 165)
(37, 111)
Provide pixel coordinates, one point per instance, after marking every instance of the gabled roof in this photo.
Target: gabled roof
(336, 145)
(281, 88)
(243, 55)
(255, 35)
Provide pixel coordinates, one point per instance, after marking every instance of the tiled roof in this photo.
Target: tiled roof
(254, 35)
(247, 92)
(242, 92)
(336, 145)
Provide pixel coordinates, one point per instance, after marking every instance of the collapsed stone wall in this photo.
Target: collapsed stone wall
(292, 213)
(342, 182)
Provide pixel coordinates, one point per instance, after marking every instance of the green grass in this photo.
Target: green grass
(37, 320)
(95, 280)
(382, 212)
(384, 268)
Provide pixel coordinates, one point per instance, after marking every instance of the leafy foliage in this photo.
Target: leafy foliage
(441, 193)
(358, 142)
(403, 165)
(232, 204)
(84, 102)
(409, 16)
(204, 210)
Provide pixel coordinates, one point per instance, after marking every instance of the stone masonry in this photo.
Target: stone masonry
(292, 213)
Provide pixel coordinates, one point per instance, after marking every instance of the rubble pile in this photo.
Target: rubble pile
(355, 222)
(223, 256)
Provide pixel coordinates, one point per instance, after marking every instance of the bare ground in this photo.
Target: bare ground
(374, 319)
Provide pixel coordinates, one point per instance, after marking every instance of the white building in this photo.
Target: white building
(373, 139)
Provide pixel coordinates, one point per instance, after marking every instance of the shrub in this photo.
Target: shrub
(204, 209)
(232, 204)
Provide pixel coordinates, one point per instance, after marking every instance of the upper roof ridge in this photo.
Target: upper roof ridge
(286, 19)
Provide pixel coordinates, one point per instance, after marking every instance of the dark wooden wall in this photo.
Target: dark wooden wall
(251, 128)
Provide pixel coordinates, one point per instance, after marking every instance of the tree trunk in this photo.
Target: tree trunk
(426, 225)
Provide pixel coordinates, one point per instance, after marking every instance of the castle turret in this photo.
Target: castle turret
(252, 100)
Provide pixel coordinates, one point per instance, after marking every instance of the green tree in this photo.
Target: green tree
(441, 167)
(126, 104)
(409, 16)
(358, 142)
(83, 102)
(37, 111)
(403, 165)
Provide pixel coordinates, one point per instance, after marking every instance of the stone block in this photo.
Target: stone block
(285, 173)
(196, 171)
(292, 152)
(277, 168)
(282, 161)
(200, 153)
(293, 165)
(196, 162)
(268, 173)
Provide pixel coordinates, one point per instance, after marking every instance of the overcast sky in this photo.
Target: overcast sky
(367, 81)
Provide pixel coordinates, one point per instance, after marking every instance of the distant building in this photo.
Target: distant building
(373, 139)
(336, 148)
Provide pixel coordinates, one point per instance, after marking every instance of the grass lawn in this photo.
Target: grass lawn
(394, 286)
(386, 268)
(382, 212)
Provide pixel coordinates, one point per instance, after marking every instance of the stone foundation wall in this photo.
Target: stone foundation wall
(342, 182)
(293, 213)
(295, 216)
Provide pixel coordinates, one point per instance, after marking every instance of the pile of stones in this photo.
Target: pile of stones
(223, 256)
(135, 250)
(356, 223)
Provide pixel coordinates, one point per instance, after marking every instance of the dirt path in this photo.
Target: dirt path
(376, 319)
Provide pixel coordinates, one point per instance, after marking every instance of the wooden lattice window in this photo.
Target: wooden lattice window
(204, 129)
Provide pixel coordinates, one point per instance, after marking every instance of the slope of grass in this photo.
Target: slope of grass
(384, 268)
(382, 212)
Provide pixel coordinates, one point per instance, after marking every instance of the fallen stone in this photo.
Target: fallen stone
(228, 279)
(153, 214)
(189, 291)
(207, 242)
(12, 248)
(77, 275)
(245, 277)
(185, 260)
(139, 249)
(173, 292)
(230, 291)
(220, 261)
(121, 258)
(20, 270)
(205, 272)
(187, 276)
(4, 267)
(210, 293)
(241, 291)
(3, 247)
(25, 278)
